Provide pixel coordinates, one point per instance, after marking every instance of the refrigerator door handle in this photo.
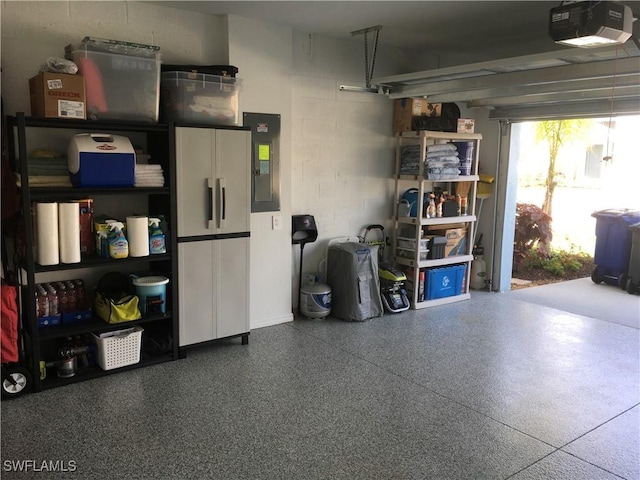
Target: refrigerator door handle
(222, 202)
(210, 224)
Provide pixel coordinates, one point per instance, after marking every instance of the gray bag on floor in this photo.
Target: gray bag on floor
(352, 274)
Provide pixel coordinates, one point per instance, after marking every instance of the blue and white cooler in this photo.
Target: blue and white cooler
(101, 160)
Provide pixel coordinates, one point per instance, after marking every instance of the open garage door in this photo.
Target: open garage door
(567, 83)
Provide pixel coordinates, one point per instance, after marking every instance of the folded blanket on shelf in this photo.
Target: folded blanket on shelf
(442, 173)
(442, 153)
(46, 181)
(442, 165)
(441, 147)
(47, 166)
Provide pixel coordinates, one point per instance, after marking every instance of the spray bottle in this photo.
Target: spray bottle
(118, 244)
(157, 243)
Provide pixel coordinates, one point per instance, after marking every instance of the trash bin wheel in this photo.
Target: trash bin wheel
(596, 275)
(631, 287)
(15, 381)
(622, 280)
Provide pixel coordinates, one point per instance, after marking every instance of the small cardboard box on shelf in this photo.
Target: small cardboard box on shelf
(456, 240)
(466, 125)
(404, 109)
(58, 95)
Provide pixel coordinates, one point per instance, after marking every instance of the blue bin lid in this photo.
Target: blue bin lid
(623, 214)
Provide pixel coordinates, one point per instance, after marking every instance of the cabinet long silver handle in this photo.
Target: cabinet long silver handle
(222, 199)
(210, 220)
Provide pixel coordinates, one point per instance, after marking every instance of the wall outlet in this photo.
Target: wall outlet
(276, 222)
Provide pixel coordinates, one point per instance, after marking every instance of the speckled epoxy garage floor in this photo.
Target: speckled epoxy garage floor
(491, 388)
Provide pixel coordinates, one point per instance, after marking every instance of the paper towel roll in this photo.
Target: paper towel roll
(47, 233)
(69, 228)
(138, 236)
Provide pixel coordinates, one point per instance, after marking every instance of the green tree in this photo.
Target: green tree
(557, 133)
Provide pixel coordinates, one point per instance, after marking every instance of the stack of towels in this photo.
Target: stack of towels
(46, 169)
(441, 161)
(410, 159)
(148, 175)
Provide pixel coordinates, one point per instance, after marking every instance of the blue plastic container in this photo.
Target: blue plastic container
(613, 245)
(411, 196)
(445, 281)
(152, 292)
(465, 150)
(465, 154)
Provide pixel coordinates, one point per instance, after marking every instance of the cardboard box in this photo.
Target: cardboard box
(58, 95)
(456, 240)
(404, 109)
(466, 125)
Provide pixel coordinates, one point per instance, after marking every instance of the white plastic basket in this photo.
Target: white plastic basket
(118, 348)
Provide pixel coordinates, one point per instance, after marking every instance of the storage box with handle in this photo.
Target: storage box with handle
(118, 348)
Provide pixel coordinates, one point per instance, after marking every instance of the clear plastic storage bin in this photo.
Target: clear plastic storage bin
(122, 80)
(200, 98)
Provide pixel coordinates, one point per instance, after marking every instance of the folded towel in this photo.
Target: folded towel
(441, 147)
(149, 182)
(45, 181)
(159, 175)
(150, 167)
(441, 153)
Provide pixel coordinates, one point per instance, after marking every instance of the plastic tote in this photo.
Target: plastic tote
(613, 245)
(119, 348)
(152, 292)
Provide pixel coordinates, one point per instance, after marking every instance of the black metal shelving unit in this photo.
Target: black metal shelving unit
(160, 144)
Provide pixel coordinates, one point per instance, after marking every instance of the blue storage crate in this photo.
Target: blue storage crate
(613, 245)
(445, 281)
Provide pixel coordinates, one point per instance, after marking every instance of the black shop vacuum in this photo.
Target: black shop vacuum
(392, 291)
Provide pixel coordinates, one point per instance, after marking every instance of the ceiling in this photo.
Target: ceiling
(435, 25)
(518, 71)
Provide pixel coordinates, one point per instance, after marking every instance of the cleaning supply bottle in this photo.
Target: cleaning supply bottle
(157, 243)
(118, 244)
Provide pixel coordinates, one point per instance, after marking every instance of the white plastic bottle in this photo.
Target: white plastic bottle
(478, 270)
(118, 244)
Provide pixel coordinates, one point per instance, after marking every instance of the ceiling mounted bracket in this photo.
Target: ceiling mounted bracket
(368, 68)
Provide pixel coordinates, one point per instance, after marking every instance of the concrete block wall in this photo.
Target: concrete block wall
(342, 142)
